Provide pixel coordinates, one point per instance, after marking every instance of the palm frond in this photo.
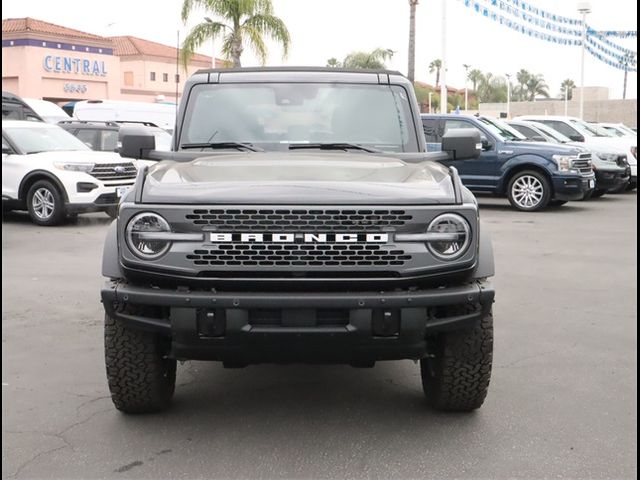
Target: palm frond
(197, 36)
(272, 27)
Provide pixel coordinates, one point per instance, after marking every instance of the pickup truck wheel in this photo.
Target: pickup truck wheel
(529, 191)
(141, 377)
(45, 204)
(455, 377)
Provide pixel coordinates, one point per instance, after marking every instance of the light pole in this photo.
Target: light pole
(508, 95)
(443, 78)
(583, 8)
(566, 100)
(430, 95)
(466, 85)
(412, 40)
(213, 45)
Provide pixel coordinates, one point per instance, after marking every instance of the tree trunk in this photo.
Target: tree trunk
(412, 40)
(437, 77)
(236, 52)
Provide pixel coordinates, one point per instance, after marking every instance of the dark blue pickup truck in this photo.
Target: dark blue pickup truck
(531, 175)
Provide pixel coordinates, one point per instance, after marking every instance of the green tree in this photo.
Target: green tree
(537, 86)
(243, 23)
(475, 76)
(374, 60)
(492, 89)
(334, 63)
(436, 66)
(567, 87)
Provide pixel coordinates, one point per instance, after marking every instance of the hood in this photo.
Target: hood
(81, 156)
(299, 178)
(543, 148)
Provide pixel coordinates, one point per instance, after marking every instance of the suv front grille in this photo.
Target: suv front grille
(285, 255)
(583, 164)
(114, 171)
(301, 220)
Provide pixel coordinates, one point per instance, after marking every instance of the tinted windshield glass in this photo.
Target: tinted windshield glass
(504, 131)
(49, 139)
(273, 116)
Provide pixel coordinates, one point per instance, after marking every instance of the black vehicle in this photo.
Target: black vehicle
(104, 136)
(612, 170)
(14, 108)
(531, 175)
(298, 219)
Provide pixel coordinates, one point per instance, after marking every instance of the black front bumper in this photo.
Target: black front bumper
(611, 180)
(244, 328)
(572, 187)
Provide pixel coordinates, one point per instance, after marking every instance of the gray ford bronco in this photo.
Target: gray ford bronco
(298, 218)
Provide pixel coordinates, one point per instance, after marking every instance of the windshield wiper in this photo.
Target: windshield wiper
(222, 145)
(333, 146)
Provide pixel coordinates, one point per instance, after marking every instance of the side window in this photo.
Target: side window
(430, 127)
(88, 137)
(451, 124)
(526, 131)
(9, 112)
(561, 127)
(108, 140)
(6, 148)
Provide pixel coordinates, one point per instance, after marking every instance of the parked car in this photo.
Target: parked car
(619, 129)
(103, 136)
(531, 175)
(51, 174)
(592, 137)
(48, 111)
(15, 108)
(161, 114)
(612, 169)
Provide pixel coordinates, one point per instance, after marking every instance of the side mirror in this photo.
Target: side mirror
(486, 144)
(577, 138)
(136, 143)
(462, 143)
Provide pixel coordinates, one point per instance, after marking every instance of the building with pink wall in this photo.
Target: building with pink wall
(60, 64)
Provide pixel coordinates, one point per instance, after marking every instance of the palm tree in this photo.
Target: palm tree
(334, 63)
(374, 60)
(475, 76)
(567, 87)
(520, 91)
(492, 89)
(537, 86)
(436, 66)
(412, 40)
(244, 23)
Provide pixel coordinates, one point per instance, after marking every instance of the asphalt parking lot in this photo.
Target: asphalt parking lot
(562, 402)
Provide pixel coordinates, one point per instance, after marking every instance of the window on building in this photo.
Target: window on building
(165, 77)
(128, 79)
(152, 77)
(177, 78)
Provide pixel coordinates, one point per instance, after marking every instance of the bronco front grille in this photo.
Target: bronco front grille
(114, 171)
(583, 164)
(300, 220)
(285, 255)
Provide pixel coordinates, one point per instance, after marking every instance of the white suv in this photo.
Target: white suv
(592, 137)
(51, 174)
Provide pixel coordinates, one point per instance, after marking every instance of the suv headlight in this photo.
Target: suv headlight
(74, 167)
(146, 248)
(564, 162)
(607, 157)
(457, 228)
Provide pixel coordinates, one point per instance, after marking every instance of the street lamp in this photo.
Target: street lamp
(430, 95)
(213, 45)
(443, 87)
(508, 95)
(583, 8)
(466, 84)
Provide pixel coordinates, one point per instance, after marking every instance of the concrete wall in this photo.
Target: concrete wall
(610, 111)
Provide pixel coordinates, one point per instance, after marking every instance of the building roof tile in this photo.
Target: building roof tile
(32, 25)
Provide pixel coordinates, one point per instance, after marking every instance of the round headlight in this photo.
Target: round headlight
(457, 227)
(142, 223)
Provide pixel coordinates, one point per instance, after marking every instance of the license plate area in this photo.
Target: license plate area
(122, 191)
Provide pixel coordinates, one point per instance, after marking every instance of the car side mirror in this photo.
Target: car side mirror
(486, 144)
(462, 143)
(137, 144)
(577, 138)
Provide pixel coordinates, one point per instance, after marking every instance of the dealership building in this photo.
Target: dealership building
(62, 65)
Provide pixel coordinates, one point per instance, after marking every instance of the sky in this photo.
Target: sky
(321, 29)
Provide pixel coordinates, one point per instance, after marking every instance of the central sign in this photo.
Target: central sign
(96, 68)
(215, 237)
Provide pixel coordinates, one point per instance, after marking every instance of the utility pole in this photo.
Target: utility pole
(412, 40)
(443, 77)
(508, 95)
(466, 86)
(627, 59)
(430, 95)
(583, 8)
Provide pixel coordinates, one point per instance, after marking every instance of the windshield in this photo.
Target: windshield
(502, 130)
(43, 139)
(552, 133)
(614, 131)
(275, 116)
(589, 130)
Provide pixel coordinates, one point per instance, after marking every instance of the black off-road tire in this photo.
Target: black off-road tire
(456, 377)
(141, 378)
(58, 215)
(541, 181)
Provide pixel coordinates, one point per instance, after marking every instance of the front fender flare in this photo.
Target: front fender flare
(486, 265)
(110, 257)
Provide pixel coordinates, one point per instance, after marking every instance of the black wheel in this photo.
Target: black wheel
(455, 377)
(45, 204)
(557, 203)
(141, 377)
(112, 212)
(597, 193)
(529, 191)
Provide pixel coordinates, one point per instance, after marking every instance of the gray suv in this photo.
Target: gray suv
(298, 219)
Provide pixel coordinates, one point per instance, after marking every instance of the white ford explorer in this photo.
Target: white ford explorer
(53, 175)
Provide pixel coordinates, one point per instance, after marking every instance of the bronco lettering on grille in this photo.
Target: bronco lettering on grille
(299, 237)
